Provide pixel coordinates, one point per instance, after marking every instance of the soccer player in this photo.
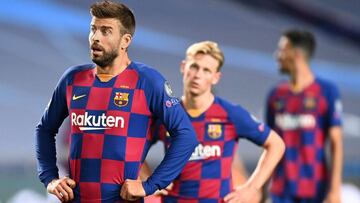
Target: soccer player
(112, 105)
(218, 125)
(306, 112)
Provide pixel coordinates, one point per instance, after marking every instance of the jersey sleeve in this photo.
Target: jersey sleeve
(269, 111)
(45, 132)
(168, 110)
(247, 126)
(334, 113)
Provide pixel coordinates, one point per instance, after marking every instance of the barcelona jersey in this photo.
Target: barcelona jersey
(303, 121)
(207, 175)
(111, 126)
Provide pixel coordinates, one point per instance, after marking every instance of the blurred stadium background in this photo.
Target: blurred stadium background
(40, 39)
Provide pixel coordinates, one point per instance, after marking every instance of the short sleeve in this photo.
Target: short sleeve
(247, 126)
(334, 113)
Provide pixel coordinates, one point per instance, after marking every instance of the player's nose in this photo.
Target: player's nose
(276, 54)
(95, 36)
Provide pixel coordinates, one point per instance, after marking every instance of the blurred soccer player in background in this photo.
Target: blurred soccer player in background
(306, 112)
(218, 125)
(112, 105)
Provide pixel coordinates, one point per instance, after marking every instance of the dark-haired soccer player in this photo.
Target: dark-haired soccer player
(112, 105)
(306, 112)
(218, 125)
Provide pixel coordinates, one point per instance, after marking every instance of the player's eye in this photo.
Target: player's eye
(106, 31)
(92, 29)
(194, 67)
(206, 70)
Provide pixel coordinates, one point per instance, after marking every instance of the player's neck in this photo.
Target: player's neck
(119, 64)
(301, 78)
(196, 105)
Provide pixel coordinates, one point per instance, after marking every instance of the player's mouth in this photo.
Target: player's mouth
(96, 48)
(194, 84)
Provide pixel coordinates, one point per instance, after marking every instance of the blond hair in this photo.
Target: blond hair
(206, 47)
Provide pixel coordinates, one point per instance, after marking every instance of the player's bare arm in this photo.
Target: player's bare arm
(238, 171)
(274, 149)
(336, 165)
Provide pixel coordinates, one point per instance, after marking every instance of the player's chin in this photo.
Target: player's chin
(195, 92)
(96, 58)
(283, 70)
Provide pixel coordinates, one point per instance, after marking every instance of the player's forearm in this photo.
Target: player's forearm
(145, 171)
(238, 171)
(46, 156)
(274, 150)
(337, 160)
(261, 172)
(182, 145)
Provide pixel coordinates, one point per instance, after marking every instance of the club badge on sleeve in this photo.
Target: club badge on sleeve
(168, 89)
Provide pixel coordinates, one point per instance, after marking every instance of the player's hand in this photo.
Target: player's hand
(62, 188)
(244, 194)
(164, 191)
(333, 197)
(132, 190)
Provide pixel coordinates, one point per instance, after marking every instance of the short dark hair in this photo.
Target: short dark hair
(110, 9)
(302, 39)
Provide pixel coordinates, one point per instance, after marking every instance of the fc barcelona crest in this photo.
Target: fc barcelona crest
(309, 103)
(278, 105)
(214, 131)
(121, 99)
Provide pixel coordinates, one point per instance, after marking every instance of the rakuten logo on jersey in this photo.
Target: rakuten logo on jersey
(292, 122)
(204, 152)
(92, 122)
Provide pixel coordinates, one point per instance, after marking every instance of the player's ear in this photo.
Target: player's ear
(216, 78)
(125, 41)
(182, 67)
(298, 53)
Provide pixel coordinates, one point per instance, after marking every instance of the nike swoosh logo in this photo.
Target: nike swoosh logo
(78, 97)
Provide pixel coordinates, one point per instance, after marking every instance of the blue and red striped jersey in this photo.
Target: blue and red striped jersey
(207, 175)
(303, 120)
(111, 130)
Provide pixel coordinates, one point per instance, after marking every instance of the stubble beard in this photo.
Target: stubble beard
(284, 70)
(106, 59)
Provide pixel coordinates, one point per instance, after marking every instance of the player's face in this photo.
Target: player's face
(200, 73)
(104, 39)
(285, 55)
